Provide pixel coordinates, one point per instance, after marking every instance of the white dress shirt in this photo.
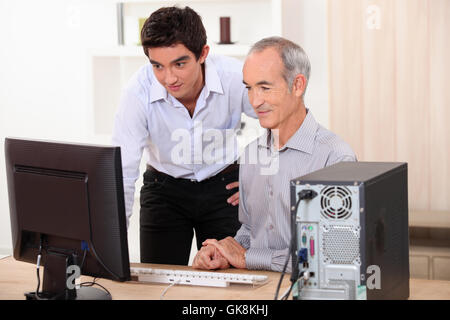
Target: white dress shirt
(196, 147)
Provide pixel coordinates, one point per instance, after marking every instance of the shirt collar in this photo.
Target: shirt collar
(157, 91)
(212, 79)
(212, 83)
(302, 140)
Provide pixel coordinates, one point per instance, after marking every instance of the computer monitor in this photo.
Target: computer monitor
(67, 210)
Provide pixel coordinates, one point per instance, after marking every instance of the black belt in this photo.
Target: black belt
(230, 168)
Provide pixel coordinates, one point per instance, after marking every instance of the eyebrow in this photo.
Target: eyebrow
(182, 58)
(260, 83)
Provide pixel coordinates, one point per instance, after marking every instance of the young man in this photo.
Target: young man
(183, 109)
(276, 74)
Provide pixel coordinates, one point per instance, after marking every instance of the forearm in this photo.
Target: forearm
(130, 133)
(261, 258)
(129, 191)
(131, 153)
(243, 237)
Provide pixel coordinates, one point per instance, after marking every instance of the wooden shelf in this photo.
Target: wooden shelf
(429, 250)
(429, 219)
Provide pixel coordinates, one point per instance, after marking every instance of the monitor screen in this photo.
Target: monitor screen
(67, 209)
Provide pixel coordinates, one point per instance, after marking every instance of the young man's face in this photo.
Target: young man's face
(177, 69)
(268, 92)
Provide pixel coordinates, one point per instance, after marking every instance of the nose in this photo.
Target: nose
(170, 77)
(255, 98)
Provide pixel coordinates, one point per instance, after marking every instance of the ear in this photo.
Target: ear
(204, 54)
(299, 85)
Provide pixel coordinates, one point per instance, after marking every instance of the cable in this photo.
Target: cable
(283, 272)
(286, 294)
(165, 290)
(60, 251)
(306, 194)
(291, 244)
(36, 294)
(82, 261)
(94, 283)
(38, 265)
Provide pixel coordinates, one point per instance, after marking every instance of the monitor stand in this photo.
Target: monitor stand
(84, 293)
(56, 284)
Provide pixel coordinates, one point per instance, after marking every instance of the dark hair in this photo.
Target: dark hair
(172, 25)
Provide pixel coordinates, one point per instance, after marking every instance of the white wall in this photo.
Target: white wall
(5, 234)
(45, 76)
(313, 39)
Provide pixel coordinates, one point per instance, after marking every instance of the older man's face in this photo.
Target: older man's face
(268, 92)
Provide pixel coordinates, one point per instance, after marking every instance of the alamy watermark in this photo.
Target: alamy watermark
(374, 279)
(73, 281)
(219, 146)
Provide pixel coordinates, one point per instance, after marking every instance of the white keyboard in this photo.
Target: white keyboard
(195, 278)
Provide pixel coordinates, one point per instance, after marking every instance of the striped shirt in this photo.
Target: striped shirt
(264, 206)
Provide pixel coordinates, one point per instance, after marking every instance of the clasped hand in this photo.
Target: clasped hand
(220, 254)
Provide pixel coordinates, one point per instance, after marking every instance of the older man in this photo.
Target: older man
(276, 74)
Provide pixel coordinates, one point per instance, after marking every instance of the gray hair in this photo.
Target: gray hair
(294, 58)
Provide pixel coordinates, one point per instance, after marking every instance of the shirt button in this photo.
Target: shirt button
(271, 193)
(270, 226)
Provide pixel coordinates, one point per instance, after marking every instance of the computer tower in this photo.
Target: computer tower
(352, 230)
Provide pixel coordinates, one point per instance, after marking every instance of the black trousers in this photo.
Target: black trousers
(171, 209)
